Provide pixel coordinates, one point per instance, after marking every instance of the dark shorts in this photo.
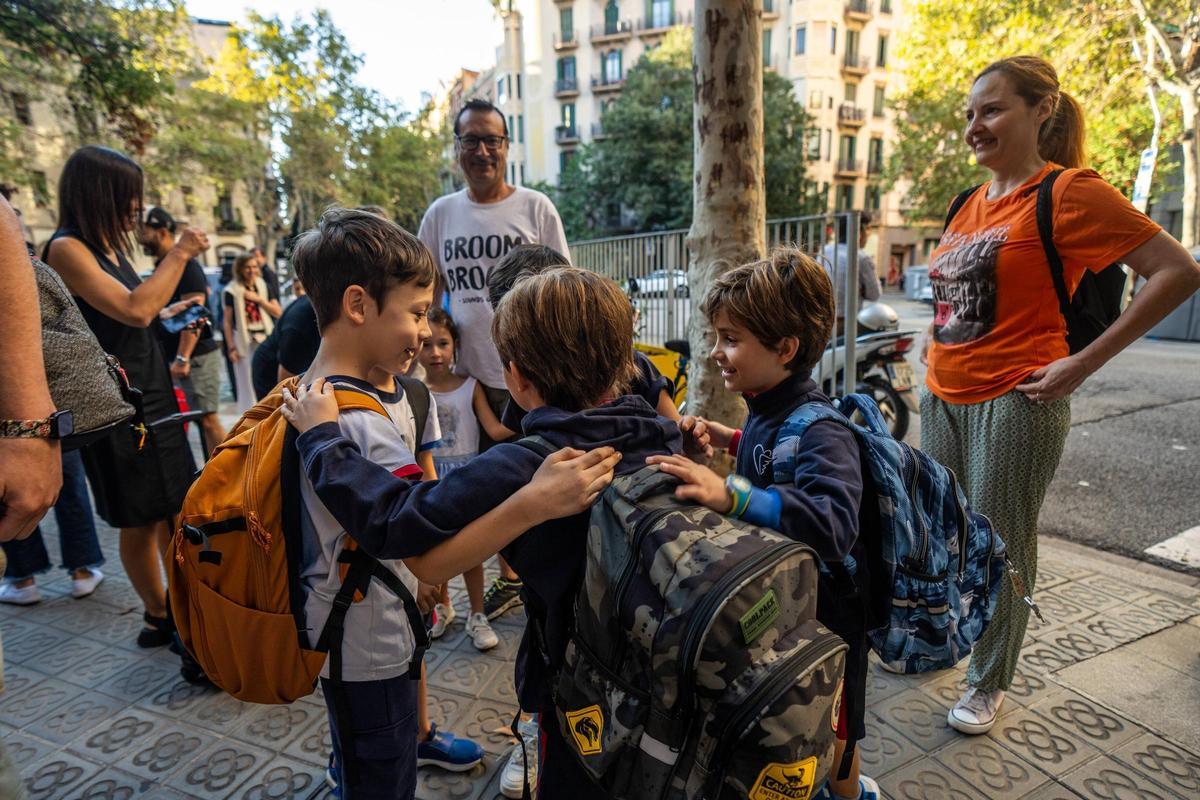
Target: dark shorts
(384, 739)
(852, 724)
(497, 399)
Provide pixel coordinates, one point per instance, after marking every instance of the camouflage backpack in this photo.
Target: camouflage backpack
(696, 667)
(943, 561)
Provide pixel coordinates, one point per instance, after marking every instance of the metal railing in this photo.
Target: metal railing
(660, 22)
(850, 114)
(623, 27)
(566, 133)
(652, 268)
(566, 86)
(564, 39)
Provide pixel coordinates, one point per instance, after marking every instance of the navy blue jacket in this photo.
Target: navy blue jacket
(393, 518)
(821, 506)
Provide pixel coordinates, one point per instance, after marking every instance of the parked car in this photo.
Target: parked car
(917, 285)
(660, 283)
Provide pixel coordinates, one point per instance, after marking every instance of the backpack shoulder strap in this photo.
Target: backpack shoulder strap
(354, 398)
(537, 444)
(418, 398)
(787, 441)
(958, 202)
(1045, 224)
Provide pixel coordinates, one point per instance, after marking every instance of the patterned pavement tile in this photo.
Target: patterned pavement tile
(136, 680)
(118, 593)
(486, 722)
(1139, 618)
(464, 672)
(1065, 567)
(164, 751)
(1106, 626)
(56, 775)
(502, 688)
(1079, 643)
(1030, 687)
(994, 771)
(1086, 720)
(438, 784)
(1044, 658)
(25, 750)
(510, 640)
(94, 671)
(112, 784)
(26, 648)
(446, 707)
(926, 779)
(885, 748)
(1171, 767)
(177, 698)
(275, 726)
(920, 717)
(313, 744)
(1107, 779)
(281, 778)
(1118, 586)
(109, 741)
(1166, 607)
(21, 707)
(60, 659)
(219, 769)
(70, 719)
(1042, 742)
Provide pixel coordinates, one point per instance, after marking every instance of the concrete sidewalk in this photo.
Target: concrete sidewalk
(1106, 704)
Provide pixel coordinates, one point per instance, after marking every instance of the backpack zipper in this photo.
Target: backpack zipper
(639, 533)
(713, 599)
(753, 705)
(923, 545)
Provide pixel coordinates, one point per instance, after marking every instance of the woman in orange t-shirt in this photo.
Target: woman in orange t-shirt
(997, 405)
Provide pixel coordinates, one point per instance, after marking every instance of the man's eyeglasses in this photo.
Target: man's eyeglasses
(472, 142)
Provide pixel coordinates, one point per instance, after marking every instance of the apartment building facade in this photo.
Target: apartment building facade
(227, 217)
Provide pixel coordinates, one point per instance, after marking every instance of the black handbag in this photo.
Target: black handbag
(83, 379)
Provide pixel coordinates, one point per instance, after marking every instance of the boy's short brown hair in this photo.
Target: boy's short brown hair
(786, 294)
(520, 262)
(351, 247)
(571, 333)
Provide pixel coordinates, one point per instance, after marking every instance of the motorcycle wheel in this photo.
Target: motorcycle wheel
(891, 405)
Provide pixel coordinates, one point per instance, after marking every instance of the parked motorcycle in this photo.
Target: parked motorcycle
(881, 369)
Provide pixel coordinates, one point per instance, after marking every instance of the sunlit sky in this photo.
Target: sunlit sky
(409, 46)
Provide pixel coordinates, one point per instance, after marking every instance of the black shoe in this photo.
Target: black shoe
(159, 634)
(502, 595)
(191, 671)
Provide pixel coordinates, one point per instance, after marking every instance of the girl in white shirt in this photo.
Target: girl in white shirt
(462, 408)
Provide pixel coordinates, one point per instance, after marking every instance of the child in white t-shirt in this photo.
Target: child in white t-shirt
(461, 408)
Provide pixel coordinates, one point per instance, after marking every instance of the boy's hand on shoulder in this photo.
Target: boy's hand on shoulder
(310, 406)
(428, 595)
(569, 481)
(700, 484)
(696, 438)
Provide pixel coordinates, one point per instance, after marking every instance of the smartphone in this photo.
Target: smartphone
(189, 316)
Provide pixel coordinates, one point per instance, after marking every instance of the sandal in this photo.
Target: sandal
(158, 634)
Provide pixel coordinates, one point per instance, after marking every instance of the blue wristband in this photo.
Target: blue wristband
(764, 509)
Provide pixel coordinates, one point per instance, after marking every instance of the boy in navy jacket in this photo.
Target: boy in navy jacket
(565, 338)
(773, 319)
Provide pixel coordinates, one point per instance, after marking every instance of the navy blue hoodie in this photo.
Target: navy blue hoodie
(393, 518)
(821, 506)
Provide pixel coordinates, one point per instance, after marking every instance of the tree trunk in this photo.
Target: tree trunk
(730, 210)
(1190, 106)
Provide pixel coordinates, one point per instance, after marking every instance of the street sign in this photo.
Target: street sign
(1141, 186)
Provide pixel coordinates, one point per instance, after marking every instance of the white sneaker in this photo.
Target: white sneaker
(976, 712)
(24, 596)
(82, 587)
(481, 633)
(443, 615)
(512, 777)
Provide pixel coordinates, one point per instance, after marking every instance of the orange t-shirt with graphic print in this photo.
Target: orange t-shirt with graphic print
(996, 315)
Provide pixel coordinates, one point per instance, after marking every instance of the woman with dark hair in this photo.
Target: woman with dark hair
(1001, 372)
(248, 320)
(138, 481)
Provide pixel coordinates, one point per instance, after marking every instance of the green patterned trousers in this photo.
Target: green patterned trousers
(1004, 452)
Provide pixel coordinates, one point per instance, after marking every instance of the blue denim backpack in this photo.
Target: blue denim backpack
(943, 561)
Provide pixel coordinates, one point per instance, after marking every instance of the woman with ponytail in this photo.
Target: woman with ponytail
(996, 408)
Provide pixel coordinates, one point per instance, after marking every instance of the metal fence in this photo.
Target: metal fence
(652, 269)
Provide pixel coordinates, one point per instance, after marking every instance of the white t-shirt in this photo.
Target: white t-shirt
(378, 642)
(460, 428)
(467, 239)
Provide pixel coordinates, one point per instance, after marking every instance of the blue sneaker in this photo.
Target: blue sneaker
(445, 750)
(333, 779)
(868, 789)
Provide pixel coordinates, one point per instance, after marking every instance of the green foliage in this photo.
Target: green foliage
(644, 165)
(947, 43)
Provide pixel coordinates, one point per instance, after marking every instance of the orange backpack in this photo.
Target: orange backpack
(234, 576)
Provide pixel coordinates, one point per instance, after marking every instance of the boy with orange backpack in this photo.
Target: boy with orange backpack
(264, 581)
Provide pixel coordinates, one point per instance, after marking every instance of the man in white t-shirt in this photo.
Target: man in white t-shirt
(468, 232)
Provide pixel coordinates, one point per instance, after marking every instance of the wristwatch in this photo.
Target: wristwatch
(182, 360)
(740, 489)
(58, 425)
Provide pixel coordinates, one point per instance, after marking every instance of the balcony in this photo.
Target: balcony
(658, 24)
(854, 65)
(771, 10)
(598, 131)
(851, 116)
(604, 84)
(565, 40)
(875, 166)
(566, 87)
(858, 11)
(885, 6)
(848, 168)
(620, 31)
(566, 134)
